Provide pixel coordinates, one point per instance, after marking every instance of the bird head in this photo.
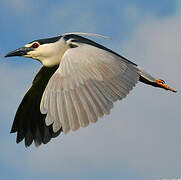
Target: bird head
(48, 51)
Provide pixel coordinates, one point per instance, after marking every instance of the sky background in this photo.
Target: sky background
(141, 138)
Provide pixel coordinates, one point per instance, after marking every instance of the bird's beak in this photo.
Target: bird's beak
(19, 52)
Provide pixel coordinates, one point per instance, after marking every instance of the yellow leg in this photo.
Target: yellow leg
(161, 83)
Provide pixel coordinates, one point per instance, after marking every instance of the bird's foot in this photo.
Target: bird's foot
(161, 83)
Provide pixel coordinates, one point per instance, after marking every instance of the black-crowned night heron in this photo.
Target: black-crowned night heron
(78, 83)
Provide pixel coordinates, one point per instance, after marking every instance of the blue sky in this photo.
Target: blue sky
(140, 139)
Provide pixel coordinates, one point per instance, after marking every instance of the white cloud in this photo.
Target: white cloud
(156, 44)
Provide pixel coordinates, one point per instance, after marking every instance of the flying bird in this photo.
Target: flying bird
(77, 84)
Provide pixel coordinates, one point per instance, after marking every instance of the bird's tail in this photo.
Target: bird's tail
(150, 80)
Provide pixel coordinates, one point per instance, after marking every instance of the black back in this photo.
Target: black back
(81, 39)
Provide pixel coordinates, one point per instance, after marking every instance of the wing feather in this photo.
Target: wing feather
(92, 104)
(101, 100)
(29, 122)
(80, 109)
(72, 115)
(86, 108)
(63, 112)
(93, 100)
(85, 86)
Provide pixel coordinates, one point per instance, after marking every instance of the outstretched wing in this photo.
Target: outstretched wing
(29, 123)
(84, 87)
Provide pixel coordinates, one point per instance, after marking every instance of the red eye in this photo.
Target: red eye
(35, 45)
